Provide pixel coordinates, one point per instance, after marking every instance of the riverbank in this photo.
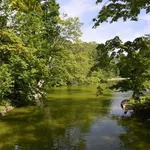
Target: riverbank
(141, 107)
(5, 109)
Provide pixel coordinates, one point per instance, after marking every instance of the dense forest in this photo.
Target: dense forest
(38, 48)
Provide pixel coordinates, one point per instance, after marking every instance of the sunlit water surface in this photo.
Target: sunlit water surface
(73, 118)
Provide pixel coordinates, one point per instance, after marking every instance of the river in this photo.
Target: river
(74, 118)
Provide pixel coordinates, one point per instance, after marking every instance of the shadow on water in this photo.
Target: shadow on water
(73, 120)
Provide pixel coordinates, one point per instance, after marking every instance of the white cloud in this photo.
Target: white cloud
(77, 8)
(101, 33)
(125, 30)
(145, 17)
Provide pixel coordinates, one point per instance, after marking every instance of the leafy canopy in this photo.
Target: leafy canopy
(112, 10)
(132, 60)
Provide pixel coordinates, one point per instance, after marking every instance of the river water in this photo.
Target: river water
(73, 118)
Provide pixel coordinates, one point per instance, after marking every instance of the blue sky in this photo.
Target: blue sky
(86, 10)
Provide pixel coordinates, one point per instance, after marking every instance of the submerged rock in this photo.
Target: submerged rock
(126, 106)
(9, 108)
(3, 112)
(17, 147)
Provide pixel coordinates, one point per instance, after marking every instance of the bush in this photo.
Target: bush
(2, 108)
(5, 103)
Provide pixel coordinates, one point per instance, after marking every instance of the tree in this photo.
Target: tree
(64, 50)
(20, 70)
(135, 66)
(132, 57)
(38, 47)
(133, 63)
(112, 10)
(104, 60)
(20, 43)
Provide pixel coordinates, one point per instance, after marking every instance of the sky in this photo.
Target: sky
(86, 10)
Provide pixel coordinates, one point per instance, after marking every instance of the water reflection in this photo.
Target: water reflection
(136, 135)
(74, 119)
(72, 139)
(104, 135)
(117, 97)
(62, 124)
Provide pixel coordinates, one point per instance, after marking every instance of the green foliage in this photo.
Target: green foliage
(5, 102)
(70, 28)
(79, 62)
(22, 48)
(105, 58)
(20, 69)
(95, 77)
(132, 58)
(133, 63)
(2, 108)
(5, 80)
(72, 65)
(142, 106)
(113, 10)
(135, 66)
(39, 48)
